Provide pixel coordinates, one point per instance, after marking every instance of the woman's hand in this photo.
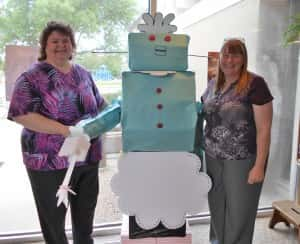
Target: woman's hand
(256, 174)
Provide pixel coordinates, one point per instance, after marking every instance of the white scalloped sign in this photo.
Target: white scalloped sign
(160, 187)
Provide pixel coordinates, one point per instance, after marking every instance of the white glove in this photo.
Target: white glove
(76, 146)
(76, 131)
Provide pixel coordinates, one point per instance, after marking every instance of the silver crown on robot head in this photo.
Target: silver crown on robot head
(157, 24)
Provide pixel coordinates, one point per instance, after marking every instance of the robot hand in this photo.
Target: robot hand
(64, 189)
(75, 147)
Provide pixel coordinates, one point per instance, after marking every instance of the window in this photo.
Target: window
(102, 44)
(101, 35)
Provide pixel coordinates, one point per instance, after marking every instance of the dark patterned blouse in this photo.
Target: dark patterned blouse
(230, 131)
(67, 98)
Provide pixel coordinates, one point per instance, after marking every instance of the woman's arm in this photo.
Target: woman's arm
(42, 124)
(263, 120)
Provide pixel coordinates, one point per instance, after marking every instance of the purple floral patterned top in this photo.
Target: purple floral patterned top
(67, 98)
(230, 131)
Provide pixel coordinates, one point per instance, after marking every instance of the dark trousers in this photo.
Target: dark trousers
(232, 201)
(84, 182)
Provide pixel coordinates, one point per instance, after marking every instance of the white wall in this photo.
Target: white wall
(262, 24)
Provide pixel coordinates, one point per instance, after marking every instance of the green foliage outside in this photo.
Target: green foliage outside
(292, 34)
(94, 61)
(21, 22)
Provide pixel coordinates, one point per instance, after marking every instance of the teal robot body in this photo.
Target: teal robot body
(158, 112)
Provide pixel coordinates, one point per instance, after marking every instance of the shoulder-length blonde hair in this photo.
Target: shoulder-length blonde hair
(234, 46)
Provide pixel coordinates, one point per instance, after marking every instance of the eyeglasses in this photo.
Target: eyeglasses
(241, 39)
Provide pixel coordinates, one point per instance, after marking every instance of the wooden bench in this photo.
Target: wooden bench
(288, 212)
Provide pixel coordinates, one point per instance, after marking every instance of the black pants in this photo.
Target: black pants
(84, 182)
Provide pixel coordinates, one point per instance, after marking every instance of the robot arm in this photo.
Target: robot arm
(199, 107)
(103, 122)
(78, 142)
(198, 146)
(76, 146)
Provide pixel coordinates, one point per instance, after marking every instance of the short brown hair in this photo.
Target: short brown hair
(51, 27)
(235, 46)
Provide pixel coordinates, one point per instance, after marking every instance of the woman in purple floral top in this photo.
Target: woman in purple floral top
(238, 114)
(48, 98)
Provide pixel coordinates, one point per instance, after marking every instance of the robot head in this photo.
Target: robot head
(156, 48)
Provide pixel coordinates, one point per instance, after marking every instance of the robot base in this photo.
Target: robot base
(187, 239)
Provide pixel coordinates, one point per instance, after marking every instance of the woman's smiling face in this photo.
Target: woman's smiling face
(59, 47)
(231, 63)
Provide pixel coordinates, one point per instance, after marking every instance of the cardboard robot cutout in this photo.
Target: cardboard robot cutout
(158, 180)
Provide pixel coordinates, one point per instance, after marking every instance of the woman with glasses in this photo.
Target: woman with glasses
(238, 114)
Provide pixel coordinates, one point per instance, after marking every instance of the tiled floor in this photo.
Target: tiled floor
(262, 235)
(18, 197)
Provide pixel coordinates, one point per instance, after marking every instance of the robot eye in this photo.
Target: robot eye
(151, 38)
(167, 38)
